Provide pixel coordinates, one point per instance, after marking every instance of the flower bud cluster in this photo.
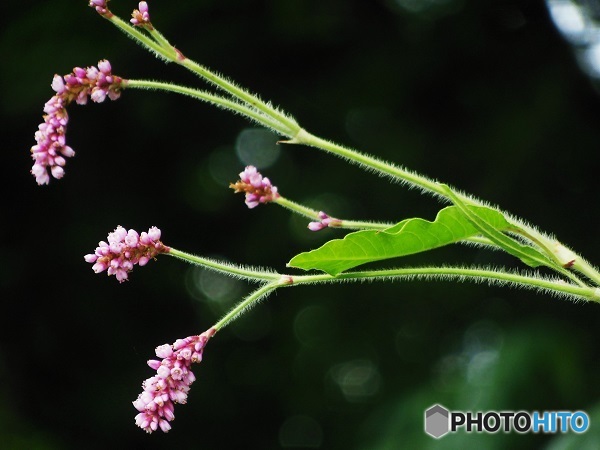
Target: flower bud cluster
(125, 249)
(324, 222)
(100, 6)
(51, 149)
(258, 189)
(171, 383)
(141, 17)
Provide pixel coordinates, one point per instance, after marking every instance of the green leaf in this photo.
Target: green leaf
(405, 238)
(525, 253)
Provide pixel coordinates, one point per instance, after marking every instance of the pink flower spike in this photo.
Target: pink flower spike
(258, 189)
(124, 250)
(51, 149)
(156, 403)
(141, 17)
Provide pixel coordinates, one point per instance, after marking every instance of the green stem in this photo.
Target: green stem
(159, 45)
(558, 287)
(169, 54)
(208, 97)
(162, 41)
(297, 208)
(361, 225)
(369, 162)
(584, 267)
(291, 126)
(273, 280)
(247, 303)
(313, 214)
(236, 271)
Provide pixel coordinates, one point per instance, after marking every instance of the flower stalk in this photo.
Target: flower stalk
(557, 287)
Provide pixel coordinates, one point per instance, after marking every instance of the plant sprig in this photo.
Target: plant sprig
(534, 247)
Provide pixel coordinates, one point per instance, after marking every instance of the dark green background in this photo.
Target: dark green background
(480, 94)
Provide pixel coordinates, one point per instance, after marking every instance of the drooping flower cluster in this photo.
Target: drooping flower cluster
(125, 249)
(51, 149)
(324, 222)
(258, 189)
(171, 383)
(141, 17)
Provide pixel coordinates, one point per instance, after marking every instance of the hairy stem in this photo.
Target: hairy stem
(494, 277)
(248, 273)
(498, 277)
(313, 214)
(290, 126)
(251, 300)
(208, 97)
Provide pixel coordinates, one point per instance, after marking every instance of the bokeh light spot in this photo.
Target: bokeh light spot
(358, 380)
(213, 287)
(257, 147)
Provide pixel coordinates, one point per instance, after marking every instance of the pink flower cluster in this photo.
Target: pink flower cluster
(100, 6)
(141, 17)
(258, 189)
(125, 249)
(171, 383)
(51, 149)
(324, 222)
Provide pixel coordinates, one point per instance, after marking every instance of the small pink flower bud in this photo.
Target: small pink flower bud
(316, 226)
(99, 267)
(163, 372)
(90, 258)
(168, 411)
(131, 240)
(164, 425)
(176, 373)
(185, 353)
(58, 84)
(98, 95)
(104, 66)
(154, 233)
(154, 364)
(164, 351)
(91, 73)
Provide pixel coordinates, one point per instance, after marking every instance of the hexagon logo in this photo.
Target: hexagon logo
(437, 421)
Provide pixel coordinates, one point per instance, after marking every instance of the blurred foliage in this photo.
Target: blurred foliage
(480, 94)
